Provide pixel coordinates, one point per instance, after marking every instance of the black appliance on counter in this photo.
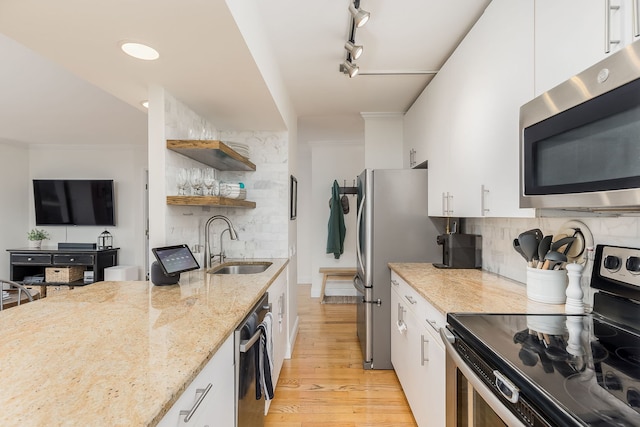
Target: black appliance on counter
(460, 250)
(553, 369)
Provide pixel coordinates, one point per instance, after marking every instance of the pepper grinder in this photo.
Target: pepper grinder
(574, 304)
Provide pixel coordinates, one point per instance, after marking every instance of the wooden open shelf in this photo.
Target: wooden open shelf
(212, 153)
(209, 201)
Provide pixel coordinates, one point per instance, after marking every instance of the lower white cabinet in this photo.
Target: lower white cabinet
(278, 301)
(417, 353)
(209, 400)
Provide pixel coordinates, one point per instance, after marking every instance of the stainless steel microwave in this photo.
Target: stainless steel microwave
(580, 141)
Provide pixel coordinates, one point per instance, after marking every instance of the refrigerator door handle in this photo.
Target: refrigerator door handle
(358, 222)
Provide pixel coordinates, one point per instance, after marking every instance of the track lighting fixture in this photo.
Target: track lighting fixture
(350, 68)
(354, 50)
(360, 17)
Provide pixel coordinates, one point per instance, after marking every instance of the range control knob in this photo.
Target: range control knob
(633, 398)
(633, 265)
(612, 263)
(612, 382)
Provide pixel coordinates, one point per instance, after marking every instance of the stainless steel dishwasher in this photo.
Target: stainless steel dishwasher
(249, 410)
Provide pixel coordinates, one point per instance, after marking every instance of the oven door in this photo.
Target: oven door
(470, 402)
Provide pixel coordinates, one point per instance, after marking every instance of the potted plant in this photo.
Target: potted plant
(36, 237)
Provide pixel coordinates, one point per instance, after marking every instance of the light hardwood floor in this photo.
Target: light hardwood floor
(323, 384)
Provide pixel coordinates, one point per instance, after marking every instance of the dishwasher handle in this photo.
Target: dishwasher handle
(245, 345)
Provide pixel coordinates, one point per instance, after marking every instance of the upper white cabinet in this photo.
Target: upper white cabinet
(572, 35)
(467, 117)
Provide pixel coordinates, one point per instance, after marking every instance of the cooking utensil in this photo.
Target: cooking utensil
(543, 247)
(552, 259)
(565, 241)
(516, 246)
(529, 246)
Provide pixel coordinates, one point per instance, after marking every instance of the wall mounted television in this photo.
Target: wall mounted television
(74, 202)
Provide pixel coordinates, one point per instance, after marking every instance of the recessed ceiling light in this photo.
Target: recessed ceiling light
(145, 104)
(139, 50)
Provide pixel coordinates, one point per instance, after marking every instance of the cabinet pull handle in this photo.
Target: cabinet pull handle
(71, 259)
(636, 24)
(422, 352)
(400, 322)
(449, 204)
(444, 203)
(483, 203)
(410, 299)
(188, 414)
(607, 26)
(434, 325)
(29, 259)
(395, 283)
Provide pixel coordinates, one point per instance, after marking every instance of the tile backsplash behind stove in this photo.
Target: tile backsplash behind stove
(498, 255)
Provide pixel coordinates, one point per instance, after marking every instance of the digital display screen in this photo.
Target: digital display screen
(175, 259)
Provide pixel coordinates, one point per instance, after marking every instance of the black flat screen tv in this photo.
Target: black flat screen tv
(74, 202)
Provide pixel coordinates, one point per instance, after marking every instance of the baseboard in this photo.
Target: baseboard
(292, 339)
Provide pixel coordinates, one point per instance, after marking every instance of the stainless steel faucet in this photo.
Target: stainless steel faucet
(207, 250)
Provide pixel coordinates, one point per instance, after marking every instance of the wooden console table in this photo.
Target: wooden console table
(33, 262)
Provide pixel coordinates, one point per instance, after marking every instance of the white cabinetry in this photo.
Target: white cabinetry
(572, 35)
(209, 399)
(417, 353)
(278, 301)
(468, 116)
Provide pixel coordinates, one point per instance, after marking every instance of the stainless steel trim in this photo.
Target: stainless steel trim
(358, 222)
(189, 413)
(624, 67)
(481, 388)
(245, 345)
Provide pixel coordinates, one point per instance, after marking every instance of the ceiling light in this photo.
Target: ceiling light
(145, 104)
(354, 50)
(350, 68)
(140, 51)
(360, 17)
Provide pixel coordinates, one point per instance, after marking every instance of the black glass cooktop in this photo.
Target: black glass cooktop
(575, 369)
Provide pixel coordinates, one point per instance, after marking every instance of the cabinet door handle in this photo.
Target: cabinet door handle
(29, 259)
(203, 393)
(423, 341)
(395, 283)
(434, 325)
(410, 299)
(636, 24)
(608, 41)
(483, 202)
(71, 259)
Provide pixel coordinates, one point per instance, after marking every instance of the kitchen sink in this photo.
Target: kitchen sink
(245, 267)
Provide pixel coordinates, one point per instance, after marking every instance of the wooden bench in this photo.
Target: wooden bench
(335, 273)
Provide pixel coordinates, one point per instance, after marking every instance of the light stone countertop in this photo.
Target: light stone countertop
(117, 353)
(470, 290)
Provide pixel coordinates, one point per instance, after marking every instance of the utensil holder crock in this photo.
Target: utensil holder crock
(547, 286)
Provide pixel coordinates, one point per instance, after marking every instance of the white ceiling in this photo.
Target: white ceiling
(63, 78)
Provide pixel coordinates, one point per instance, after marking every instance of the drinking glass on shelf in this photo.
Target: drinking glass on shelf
(195, 177)
(209, 180)
(182, 179)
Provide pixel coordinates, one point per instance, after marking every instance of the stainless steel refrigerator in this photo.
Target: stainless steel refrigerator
(392, 226)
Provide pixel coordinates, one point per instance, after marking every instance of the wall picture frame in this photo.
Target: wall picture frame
(293, 198)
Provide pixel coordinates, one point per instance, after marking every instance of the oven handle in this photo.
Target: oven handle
(480, 387)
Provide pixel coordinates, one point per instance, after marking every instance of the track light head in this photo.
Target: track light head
(350, 68)
(360, 17)
(354, 50)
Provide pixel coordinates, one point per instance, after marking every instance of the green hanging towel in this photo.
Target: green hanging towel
(337, 230)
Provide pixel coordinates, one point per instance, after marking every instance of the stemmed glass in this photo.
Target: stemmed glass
(195, 177)
(181, 180)
(210, 182)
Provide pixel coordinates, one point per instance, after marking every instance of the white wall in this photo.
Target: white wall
(383, 140)
(15, 208)
(331, 161)
(126, 165)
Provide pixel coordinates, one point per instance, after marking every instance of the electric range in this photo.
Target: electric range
(560, 370)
